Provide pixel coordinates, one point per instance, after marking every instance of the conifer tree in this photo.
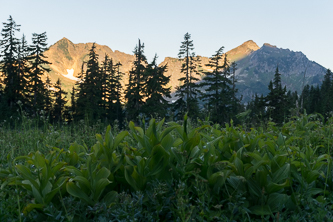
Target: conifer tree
(156, 91)
(39, 64)
(213, 82)
(89, 101)
(72, 108)
(134, 93)
(187, 92)
(23, 68)
(257, 106)
(8, 63)
(327, 93)
(59, 102)
(114, 97)
(236, 106)
(305, 100)
(226, 93)
(104, 84)
(48, 96)
(316, 100)
(276, 99)
(291, 103)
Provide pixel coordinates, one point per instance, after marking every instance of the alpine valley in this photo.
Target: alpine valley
(255, 66)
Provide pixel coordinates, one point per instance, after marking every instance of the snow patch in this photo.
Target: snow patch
(69, 75)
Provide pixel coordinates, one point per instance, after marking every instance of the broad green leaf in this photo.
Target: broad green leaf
(239, 166)
(261, 177)
(129, 178)
(315, 191)
(167, 142)
(276, 201)
(110, 197)
(83, 182)
(177, 142)
(252, 169)
(99, 188)
(254, 188)
(280, 140)
(99, 138)
(217, 180)
(49, 196)
(47, 189)
(108, 137)
(261, 210)
(75, 191)
(236, 182)
(26, 174)
(312, 176)
(102, 173)
(158, 160)
(282, 173)
(39, 160)
(277, 162)
(194, 152)
(167, 131)
(74, 170)
(31, 207)
(37, 195)
(274, 187)
(120, 137)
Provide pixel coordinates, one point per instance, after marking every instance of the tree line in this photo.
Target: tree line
(99, 94)
(22, 67)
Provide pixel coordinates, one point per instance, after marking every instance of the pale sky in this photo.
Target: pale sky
(299, 25)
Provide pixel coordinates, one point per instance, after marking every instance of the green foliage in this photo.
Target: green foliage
(181, 172)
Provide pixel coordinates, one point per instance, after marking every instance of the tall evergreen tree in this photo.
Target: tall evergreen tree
(213, 82)
(8, 63)
(105, 87)
(114, 97)
(236, 106)
(38, 68)
(59, 102)
(90, 95)
(257, 106)
(316, 100)
(226, 92)
(156, 90)
(134, 93)
(304, 100)
(187, 92)
(291, 103)
(48, 96)
(23, 67)
(276, 99)
(327, 93)
(72, 108)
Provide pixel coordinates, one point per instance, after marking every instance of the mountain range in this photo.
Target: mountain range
(255, 65)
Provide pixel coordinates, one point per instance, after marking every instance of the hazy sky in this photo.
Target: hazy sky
(299, 25)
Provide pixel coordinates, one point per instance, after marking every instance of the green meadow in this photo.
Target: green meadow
(171, 171)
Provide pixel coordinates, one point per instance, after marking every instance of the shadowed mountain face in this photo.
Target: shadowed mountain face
(256, 66)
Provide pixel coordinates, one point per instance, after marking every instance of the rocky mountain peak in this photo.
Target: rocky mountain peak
(251, 45)
(269, 45)
(242, 51)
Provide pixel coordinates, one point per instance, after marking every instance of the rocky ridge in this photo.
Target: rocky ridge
(256, 65)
